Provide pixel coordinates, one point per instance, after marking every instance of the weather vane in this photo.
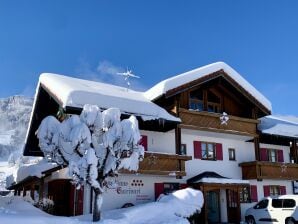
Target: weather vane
(128, 74)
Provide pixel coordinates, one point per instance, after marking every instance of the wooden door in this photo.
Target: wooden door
(233, 206)
(58, 191)
(213, 209)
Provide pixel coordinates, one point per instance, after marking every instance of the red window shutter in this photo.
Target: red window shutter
(219, 155)
(197, 146)
(159, 189)
(266, 191)
(264, 155)
(144, 142)
(280, 156)
(253, 193)
(282, 190)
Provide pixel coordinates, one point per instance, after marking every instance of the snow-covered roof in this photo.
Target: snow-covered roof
(213, 177)
(74, 92)
(279, 125)
(176, 81)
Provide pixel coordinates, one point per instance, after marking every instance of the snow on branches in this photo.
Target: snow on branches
(94, 145)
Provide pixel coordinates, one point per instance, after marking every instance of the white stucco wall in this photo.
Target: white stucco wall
(135, 189)
(244, 152)
(160, 141)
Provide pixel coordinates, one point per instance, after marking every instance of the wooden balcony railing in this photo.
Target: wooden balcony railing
(206, 121)
(163, 164)
(268, 170)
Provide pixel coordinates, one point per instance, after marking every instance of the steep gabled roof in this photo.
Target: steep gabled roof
(169, 84)
(74, 92)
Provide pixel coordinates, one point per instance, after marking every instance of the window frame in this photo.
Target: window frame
(207, 150)
(244, 195)
(271, 152)
(183, 149)
(274, 190)
(232, 154)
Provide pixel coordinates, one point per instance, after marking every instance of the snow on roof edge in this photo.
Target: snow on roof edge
(68, 97)
(178, 80)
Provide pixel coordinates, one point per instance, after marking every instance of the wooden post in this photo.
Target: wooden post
(24, 191)
(295, 148)
(32, 191)
(257, 148)
(41, 190)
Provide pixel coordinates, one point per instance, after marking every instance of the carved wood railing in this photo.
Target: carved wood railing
(267, 170)
(202, 120)
(163, 164)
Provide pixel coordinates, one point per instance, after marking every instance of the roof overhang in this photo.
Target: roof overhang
(210, 178)
(48, 100)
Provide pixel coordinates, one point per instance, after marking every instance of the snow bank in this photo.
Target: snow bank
(171, 209)
(173, 82)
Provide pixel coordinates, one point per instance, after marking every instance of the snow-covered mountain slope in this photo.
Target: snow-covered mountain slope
(14, 118)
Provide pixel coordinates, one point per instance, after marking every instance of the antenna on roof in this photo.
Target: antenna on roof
(128, 74)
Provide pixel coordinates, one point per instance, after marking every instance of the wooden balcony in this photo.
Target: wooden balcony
(268, 170)
(202, 120)
(163, 164)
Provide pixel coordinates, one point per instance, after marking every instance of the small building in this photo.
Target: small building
(207, 128)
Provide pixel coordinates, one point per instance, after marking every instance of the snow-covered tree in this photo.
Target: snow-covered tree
(94, 146)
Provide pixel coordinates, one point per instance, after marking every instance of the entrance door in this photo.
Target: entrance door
(233, 207)
(58, 191)
(213, 211)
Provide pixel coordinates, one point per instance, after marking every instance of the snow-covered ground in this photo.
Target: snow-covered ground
(170, 209)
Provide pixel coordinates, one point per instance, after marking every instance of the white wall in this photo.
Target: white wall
(244, 153)
(160, 141)
(128, 192)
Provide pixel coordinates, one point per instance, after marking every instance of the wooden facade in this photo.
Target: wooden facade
(202, 120)
(163, 164)
(268, 170)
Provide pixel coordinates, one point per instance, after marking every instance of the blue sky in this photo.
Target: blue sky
(156, 39)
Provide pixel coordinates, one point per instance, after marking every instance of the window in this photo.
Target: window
(204, 100)
(213, 104)
(272, 155)
(274, 190)
(232, 154)
(262, 204)
(183, 149)
(196, 100)
(244, 195)
(208, 151)
(283, 203)
(289, 203)
(277, 203)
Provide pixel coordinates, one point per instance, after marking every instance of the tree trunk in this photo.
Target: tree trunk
(97, 205)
